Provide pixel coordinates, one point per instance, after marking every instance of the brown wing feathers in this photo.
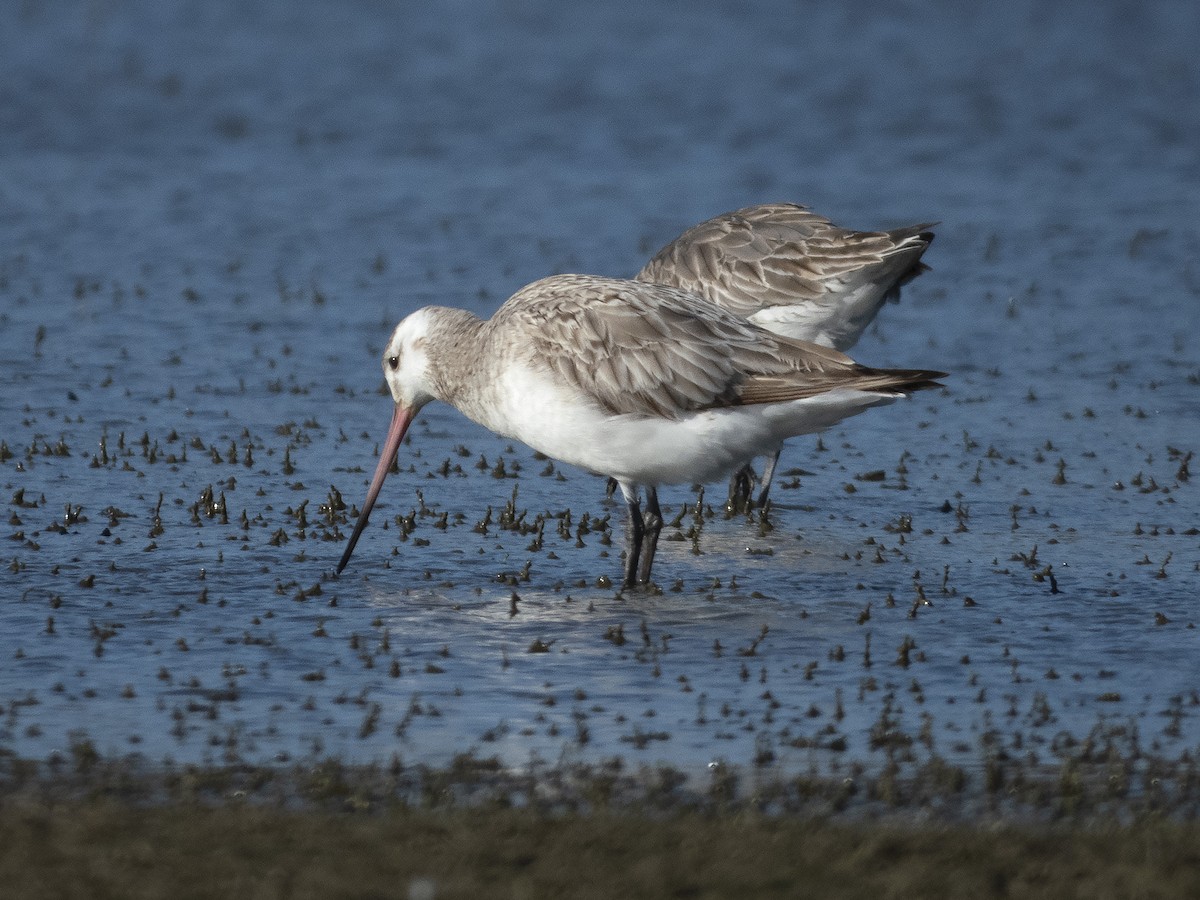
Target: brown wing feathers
(782, 254)
(647, 349)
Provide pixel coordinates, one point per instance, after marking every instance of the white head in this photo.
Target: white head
(414, 378)
(405, 368)
(406, 363)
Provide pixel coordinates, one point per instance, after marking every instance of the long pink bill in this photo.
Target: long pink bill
(401, 419)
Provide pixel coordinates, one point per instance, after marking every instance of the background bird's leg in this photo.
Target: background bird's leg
(767, 475)
(652, 524)
(740, 486)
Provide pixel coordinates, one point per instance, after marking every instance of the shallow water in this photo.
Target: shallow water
(212, 215)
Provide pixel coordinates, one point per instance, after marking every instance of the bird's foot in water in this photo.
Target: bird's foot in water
(741, 492)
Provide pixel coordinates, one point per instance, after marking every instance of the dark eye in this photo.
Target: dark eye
(393, 362)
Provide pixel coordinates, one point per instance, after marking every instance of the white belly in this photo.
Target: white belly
(697, 447)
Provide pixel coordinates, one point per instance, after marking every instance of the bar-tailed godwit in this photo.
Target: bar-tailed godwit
(646, 383)
(792, 271)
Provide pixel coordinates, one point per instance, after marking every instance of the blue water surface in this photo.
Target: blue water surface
(212, 214)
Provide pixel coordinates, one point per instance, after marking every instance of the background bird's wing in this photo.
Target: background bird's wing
(779, 254)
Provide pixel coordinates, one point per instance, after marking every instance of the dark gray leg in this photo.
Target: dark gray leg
(768, 474)
(634, 532)
(652, 525)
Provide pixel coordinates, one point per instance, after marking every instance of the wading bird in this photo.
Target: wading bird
(646, 383)
(792, 272)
